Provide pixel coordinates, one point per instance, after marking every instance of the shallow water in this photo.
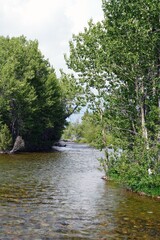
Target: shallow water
(61, 195)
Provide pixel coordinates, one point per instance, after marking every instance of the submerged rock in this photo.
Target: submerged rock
(60, 144)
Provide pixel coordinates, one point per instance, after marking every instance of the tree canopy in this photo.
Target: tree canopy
(31, 103)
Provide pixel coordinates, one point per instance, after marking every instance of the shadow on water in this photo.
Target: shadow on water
(61, 195)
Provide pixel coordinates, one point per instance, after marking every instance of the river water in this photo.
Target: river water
(61, 195)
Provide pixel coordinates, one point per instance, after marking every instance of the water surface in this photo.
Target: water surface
(61, 195)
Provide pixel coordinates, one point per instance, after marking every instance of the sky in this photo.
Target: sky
(51, 22)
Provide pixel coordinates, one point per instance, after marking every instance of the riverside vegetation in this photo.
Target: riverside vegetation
(33, 104)
(116, 63)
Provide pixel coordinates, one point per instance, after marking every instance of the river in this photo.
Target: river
(60, 195)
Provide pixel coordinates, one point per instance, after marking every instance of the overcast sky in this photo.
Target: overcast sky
(51, 22)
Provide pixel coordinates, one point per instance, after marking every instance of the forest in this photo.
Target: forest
(115, 67)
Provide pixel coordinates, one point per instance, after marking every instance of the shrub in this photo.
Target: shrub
(5, 138)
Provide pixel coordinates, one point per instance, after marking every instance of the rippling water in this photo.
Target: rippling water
(61, 195)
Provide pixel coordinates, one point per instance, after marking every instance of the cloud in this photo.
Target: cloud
(51, 22)
(81, 11)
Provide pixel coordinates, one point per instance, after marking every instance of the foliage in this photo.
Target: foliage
(30, 94)
(89, 130)
(5, 138)
(118, 64)
(72, 93)
(132, 168)
(72, 132)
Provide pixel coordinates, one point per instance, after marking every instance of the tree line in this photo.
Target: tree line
(115, 67)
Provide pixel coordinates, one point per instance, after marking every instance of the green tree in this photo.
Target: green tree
(133, 46)
(92, 130)
(118, 64)
(30, 94)
(5, 138)
(116, 61)
(73, 132)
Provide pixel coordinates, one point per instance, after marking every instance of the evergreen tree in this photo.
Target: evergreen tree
(30, 94)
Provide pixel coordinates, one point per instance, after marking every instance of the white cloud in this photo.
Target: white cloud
(81, 11)
(51, 22)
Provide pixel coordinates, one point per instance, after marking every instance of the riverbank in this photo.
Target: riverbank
(140, 193)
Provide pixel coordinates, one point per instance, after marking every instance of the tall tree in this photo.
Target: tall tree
(118, 63)
(132, 33)
(30, 94)
(119, 59)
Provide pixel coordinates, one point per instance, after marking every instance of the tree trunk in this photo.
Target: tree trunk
(18, 145)
(143, 122)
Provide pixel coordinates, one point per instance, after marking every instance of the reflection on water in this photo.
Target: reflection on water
(60, 195)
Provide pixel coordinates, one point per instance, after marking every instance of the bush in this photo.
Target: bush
(5, 138)
(131, 168)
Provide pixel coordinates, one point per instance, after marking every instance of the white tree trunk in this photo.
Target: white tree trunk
(143, 122)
